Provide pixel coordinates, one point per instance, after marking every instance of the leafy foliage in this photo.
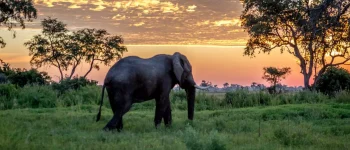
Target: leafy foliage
(14, 12)
(334, 79)
(317, 33)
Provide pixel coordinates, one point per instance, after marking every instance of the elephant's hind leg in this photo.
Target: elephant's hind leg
(120, 108)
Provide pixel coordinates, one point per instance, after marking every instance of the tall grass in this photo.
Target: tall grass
(292, 126)
(35, 96)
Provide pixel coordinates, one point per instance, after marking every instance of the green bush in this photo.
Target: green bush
(35, 96)
(334, 79)
(8, 93)
(83, 95)
(22, 77)
(309, 97)
(72, 84)
(205, 102)
(243, 98)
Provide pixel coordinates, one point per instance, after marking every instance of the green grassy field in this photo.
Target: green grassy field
(294, 126)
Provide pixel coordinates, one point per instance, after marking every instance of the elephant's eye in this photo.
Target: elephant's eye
(186, 75)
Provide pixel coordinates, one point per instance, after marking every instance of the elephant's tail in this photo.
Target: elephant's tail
(99, 111)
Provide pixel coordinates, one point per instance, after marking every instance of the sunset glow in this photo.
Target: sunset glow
(209, 33)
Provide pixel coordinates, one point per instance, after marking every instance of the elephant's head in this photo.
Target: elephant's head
(183, 73)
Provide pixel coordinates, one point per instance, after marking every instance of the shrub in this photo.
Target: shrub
(333, 80)
(22, 77)
(309, 97)
(72, 84)
(243, 98)
(83, 95)
(206, 102)
(8, 93)
(35, 96)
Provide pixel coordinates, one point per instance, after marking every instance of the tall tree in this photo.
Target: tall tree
(48, 48)
(275, 75)
(56, 46)
(15, 12)
(316, 32)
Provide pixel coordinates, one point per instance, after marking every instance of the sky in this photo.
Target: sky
(208, 32)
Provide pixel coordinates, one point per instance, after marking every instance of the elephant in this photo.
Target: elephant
(134, 80)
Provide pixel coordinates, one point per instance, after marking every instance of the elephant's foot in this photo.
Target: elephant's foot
(168, 125)
(108, 128)
(157, 125)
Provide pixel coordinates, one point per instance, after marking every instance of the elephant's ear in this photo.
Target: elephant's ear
(178, 67)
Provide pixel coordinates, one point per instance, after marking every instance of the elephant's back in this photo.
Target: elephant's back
(132, 68)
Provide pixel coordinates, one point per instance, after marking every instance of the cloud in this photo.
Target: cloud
(138, 24)
(152, 21)
(191, 8)
(233, 22)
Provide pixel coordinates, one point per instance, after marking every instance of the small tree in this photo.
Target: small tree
(13, 13)
(333, 80)
(226, 85)
(275, 75)
(56, 47)
(48, 48)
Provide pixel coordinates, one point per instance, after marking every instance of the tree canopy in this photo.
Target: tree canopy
(316, 32)
(65, 50)
(15, 12)
(275, 75)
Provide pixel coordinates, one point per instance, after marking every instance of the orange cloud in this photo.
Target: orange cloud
(233, 22)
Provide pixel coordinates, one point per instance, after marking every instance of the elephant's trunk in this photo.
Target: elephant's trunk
(191, 95)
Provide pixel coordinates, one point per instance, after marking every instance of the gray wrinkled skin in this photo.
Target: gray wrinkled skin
(134, 80)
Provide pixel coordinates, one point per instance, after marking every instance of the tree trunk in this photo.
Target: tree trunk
(306, 81)
(317, 77)
(73, 71)
(91, 65)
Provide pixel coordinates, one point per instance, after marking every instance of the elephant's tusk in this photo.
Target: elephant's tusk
(200, 87)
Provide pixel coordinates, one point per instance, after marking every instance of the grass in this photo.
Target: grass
(291, 126)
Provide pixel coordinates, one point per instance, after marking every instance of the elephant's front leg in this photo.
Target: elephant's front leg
(167, 116)
(161, 107)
